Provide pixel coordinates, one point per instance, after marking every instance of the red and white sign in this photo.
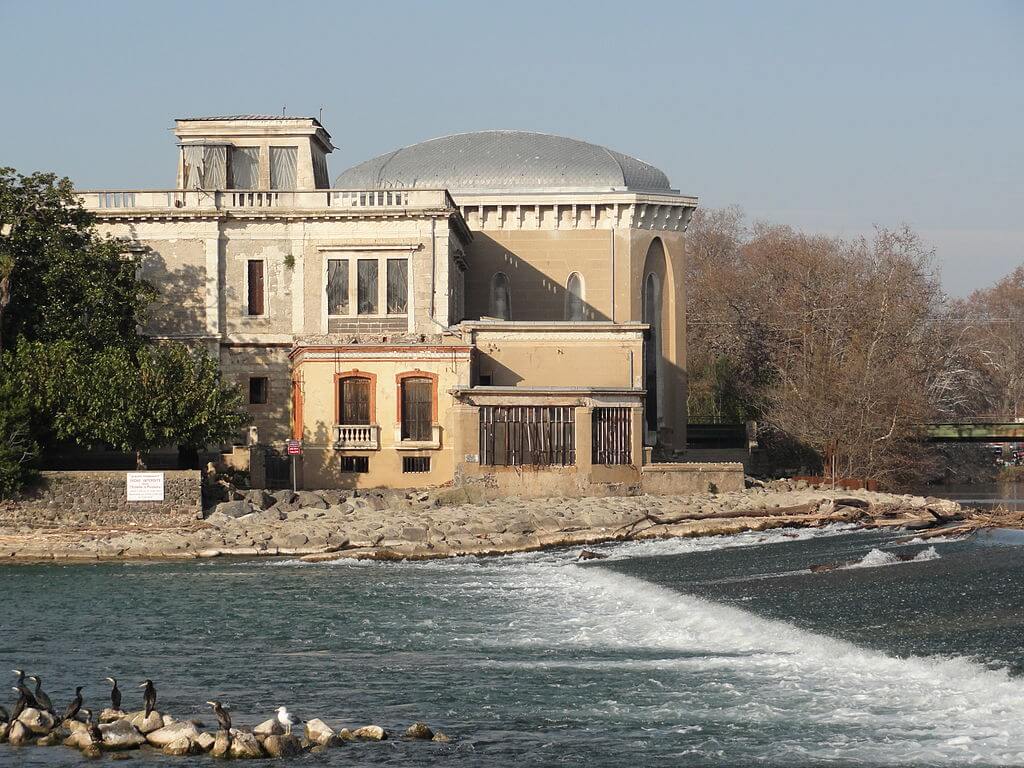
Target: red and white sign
(294, 447)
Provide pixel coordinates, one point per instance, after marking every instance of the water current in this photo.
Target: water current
(723, 651)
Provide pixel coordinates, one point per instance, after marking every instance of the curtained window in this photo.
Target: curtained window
(398, 286)
(283, 161)
(417, 408)
(366, 286)
(337, 286)
(256, 304)
(206, 166)
(244, 167)
(353, 400)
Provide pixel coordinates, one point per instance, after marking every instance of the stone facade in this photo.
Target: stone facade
(96, 499)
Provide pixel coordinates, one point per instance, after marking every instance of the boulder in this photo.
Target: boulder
(180, 747)
(284, 496)
(319, 732)
(440, 736)
(144, 724)
(370, 733)
(92, 751)
(282, 746)
(333, 497)
(18, 734)
(309, 500)
(37, 721)
(75, 725)
(121, 735)
(244, 746)
(221, 744)
(161, 737)
(78, 740)
(3, 732)
(233, 508)
(52, 739)
(271, 727)
(260, 498)
(205, 741)
(345, 735)
(109, 715)
(419, 731)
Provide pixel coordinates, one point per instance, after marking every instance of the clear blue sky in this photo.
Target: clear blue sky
(831, 117)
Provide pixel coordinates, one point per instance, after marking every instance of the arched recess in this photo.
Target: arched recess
(575, 298)
(501, 296)
(658, 297)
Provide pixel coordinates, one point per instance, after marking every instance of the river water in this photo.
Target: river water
(719, 651)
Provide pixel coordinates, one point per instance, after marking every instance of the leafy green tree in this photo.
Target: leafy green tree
(17, 447)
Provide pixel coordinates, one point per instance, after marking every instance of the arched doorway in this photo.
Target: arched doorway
(652, 356)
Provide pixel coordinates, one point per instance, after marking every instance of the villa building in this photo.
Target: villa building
(498, 307)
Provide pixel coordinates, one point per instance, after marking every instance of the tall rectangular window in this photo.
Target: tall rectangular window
(367, 298)
(354, 400)
(257, 390)
(417, 408)
(398, 286)
(283, 161)
(337, 286)
(256, 304)
(243, 167)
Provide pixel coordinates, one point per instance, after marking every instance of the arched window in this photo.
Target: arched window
(501, 300)
(355, 399)
(574, 304)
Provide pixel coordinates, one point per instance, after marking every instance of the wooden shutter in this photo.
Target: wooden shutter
(256, 304)
(417, 408)
(354, 401)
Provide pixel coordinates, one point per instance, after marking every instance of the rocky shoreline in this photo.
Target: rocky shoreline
(328, 525)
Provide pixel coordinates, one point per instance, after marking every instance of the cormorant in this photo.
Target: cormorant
(24, 701)
(74, 706)
(223, 715)
(21, 682)
(94, 731)
(41, 698)
(149, 696)
(115, 694)
(285, 718)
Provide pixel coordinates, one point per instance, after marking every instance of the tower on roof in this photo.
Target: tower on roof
(252, 152)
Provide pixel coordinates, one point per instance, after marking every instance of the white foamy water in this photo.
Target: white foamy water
(877, 558)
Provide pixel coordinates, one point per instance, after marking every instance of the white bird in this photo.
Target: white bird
(285, 718)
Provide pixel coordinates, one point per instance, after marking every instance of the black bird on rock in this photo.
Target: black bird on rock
(223, 715)
(24, 701)
(115, 694)
(76, 704)
(41, 698)
(21, 682)
(149, 696)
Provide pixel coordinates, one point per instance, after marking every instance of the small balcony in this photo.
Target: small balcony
(418, 445)
(356, 437)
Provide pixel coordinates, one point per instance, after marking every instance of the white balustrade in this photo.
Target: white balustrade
(357, 437)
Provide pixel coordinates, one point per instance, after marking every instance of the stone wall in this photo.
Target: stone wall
(682, 479)
(99, 500)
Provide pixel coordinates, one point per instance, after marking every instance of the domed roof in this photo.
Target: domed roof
(504, 161)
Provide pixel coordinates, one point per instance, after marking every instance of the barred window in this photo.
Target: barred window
(353, 400)
(417, 408)
(527, 435)
(398, 286)
(337, 286)
(366, 284)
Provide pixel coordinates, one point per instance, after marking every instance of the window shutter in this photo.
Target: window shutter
(256, 304)
(417, 409)
(355, 400)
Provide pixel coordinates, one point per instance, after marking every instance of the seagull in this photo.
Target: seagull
(76, 704)
(41, 698)
(149, 696)
(115, 694)
(223, 715)
(285, 718)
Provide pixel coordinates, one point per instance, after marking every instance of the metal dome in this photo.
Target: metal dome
(504, 161)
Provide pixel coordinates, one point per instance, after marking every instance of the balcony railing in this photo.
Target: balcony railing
(356, 437)
(190, 200)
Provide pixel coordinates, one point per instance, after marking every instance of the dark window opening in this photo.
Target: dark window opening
(256, 304)
(258, 390)
(366, 277)
(415, 464)
(611, 436)
(417, 408)
(527, 435)
(354, 400)
(337, 286)
(360, 464)
(398, 286)
(485, 379)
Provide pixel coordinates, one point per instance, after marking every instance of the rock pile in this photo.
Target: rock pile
(123, 731)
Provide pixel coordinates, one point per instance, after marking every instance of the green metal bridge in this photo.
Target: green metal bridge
(976, 432)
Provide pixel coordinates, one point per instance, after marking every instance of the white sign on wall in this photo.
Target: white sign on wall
(145, 486)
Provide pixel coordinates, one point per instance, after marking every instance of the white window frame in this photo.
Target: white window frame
(382, 253)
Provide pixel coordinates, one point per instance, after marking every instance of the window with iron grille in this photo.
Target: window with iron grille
(417, 408)
(415, 464)
(359, 464)
(353, 400)
(527, 435)
(611, 436)
(258, 390)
